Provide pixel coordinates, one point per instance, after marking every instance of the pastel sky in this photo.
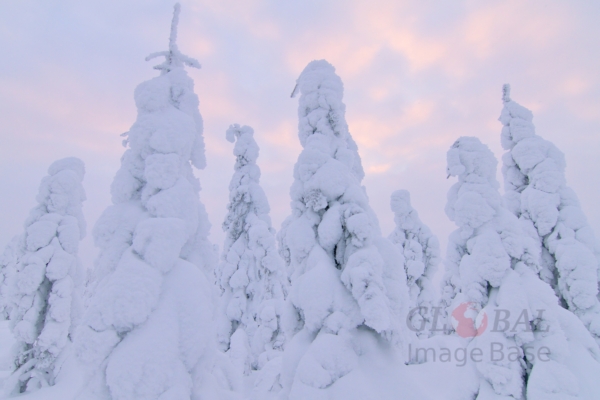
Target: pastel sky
(418, 74)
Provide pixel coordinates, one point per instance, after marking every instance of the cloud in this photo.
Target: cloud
(417, 75)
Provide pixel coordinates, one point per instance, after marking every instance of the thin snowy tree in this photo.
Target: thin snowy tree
(344, 276)
(492, 269)
(251, 275)
(11, 256)
(421, 251)
(43, 277)
(147, 332)
(536, 192)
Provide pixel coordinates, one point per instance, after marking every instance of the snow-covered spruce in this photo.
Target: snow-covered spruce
(147, 332)
(345, 277)
(9, 259)
(251, 275)
(472, 202)
(42, 278)
(492, 266)
(536, 192)
(421, 251)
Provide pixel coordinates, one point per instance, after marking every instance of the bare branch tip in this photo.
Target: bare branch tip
(506, 92)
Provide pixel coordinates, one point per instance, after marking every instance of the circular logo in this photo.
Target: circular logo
(467, 322)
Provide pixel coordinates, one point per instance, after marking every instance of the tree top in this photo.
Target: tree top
(173, 57)
(506, 93)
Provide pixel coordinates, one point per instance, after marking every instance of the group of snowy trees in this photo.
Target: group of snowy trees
(288, 314)
(493, 266)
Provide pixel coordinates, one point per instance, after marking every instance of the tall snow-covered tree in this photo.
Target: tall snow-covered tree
(147, 332)
(472, 202)
(536, 192)
(43, 278)
(251, 275)
(9, 259)
(344, 276)
(492, 267)
(421, 251)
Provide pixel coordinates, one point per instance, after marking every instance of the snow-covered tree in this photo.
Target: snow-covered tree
(251, 275)
(42, 275)
(148, 328)
(536, 192)
(492, 269)
(421, 251)
(472, 202)
(9, 259)
(345, 277)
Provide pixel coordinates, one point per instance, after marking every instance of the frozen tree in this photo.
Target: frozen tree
(9, 259)
(252, 274)
(472, 201)
(536, 192)
(492, 270)
(147, 332)
(42, 278)
(344, 276)
(421, 251)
